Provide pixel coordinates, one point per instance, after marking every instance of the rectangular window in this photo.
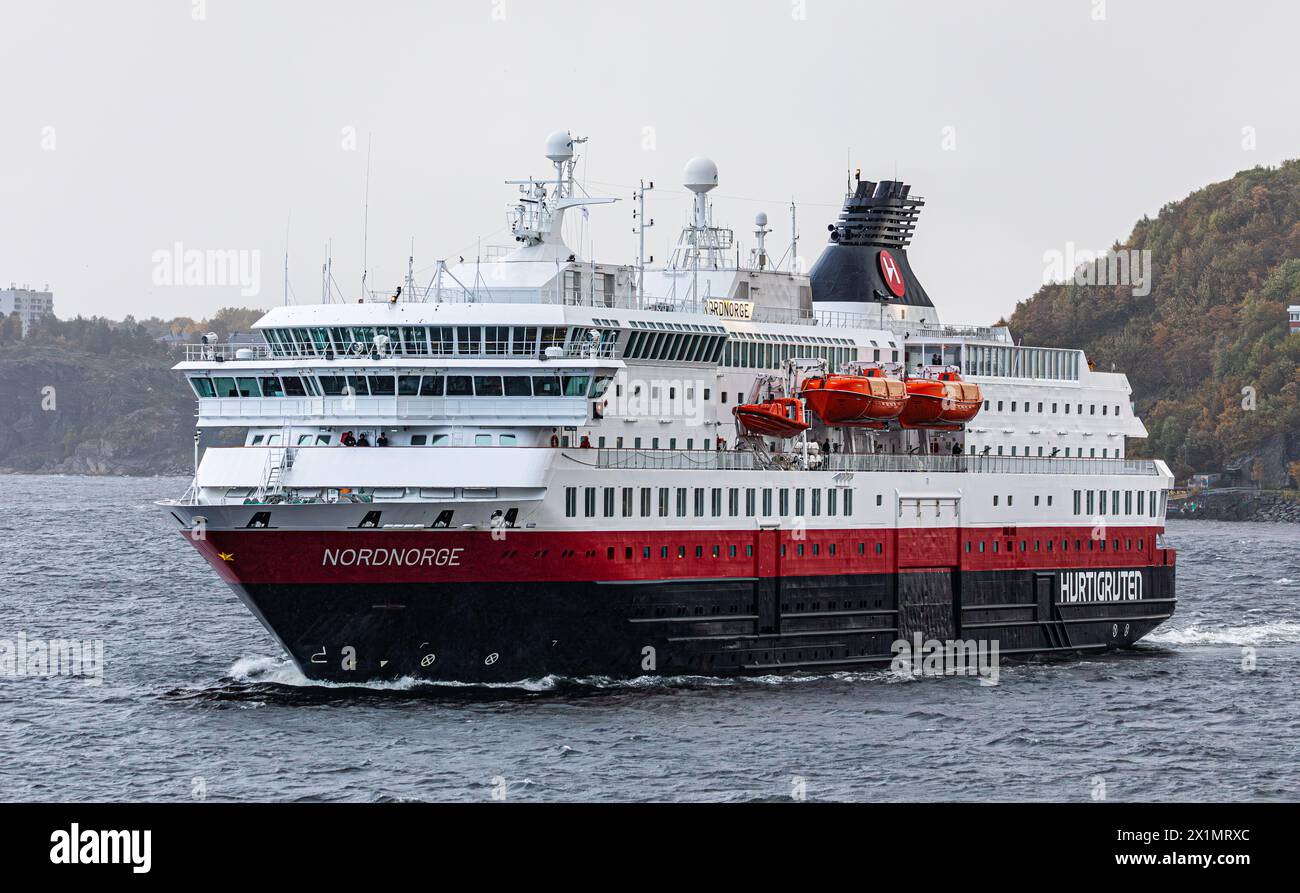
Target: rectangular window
(645, 502)
(609, 502)
(799, 503)
(816, 501)
(749, 502)
(432, 386)
(831, 502)
(681, 502)
(570, 501)
(699, 502)
(589, 502)
(715, 500)
(627, 502)
(767, 502)
(733, 501)
(848, 503)
(784, 503)
(1078, 498)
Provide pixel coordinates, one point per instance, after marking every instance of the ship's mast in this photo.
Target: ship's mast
(642, 226)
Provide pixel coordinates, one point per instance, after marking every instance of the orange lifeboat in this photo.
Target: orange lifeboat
(944, 401)
(781, 417)
(869, 399)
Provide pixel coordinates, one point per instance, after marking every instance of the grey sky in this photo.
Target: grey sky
(215, 132)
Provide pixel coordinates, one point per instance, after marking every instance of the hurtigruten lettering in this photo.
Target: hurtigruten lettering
(1101, 586)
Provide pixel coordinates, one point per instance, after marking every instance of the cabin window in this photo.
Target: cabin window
(523, 340)
(459, 386)
(203, 387)
(469, 340)
(507, 440)
(383, 385)
(408, 385)
(419, 439)
(293, 387)
(589, 502)
(441, 439)
(482, 440)
(271, 387)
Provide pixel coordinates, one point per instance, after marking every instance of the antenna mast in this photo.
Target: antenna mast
(365, 226)
(641, 227)
(794, 240)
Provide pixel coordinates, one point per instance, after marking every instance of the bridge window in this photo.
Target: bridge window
(459, 386)
(383, 385)
(408, 385)
(487, 386)
(203, 387)
(432, 386)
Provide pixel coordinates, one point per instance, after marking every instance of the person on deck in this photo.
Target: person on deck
(382, 440)
(348, 439)
(363, 441)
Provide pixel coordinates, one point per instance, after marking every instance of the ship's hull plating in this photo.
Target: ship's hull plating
(506, 631)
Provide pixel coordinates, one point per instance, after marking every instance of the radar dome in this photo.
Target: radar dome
(760, 219)
(559, 146)
(701, 175)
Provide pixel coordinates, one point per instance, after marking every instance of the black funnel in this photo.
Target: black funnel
(866, 260)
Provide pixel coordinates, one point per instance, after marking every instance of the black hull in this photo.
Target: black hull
(502, 632)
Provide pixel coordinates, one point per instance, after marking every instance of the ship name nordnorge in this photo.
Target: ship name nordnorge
(392, 557)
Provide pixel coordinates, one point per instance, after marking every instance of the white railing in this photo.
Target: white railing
(539, 409)
(743, 460)
(221, 353)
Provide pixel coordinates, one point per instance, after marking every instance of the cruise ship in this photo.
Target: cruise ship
(540, 464)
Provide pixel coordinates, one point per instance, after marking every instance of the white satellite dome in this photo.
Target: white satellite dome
(760, 219)
(559, 146)
(701, 174)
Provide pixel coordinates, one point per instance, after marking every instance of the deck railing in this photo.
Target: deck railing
(743, 460)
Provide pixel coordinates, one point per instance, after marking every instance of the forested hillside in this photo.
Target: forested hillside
(1226, 264)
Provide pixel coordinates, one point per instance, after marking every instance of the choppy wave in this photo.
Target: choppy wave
(1280, 632)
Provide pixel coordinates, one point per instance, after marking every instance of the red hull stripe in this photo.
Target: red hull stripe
(460, 556)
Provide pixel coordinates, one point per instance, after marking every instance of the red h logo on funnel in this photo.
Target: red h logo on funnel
(889, 270)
